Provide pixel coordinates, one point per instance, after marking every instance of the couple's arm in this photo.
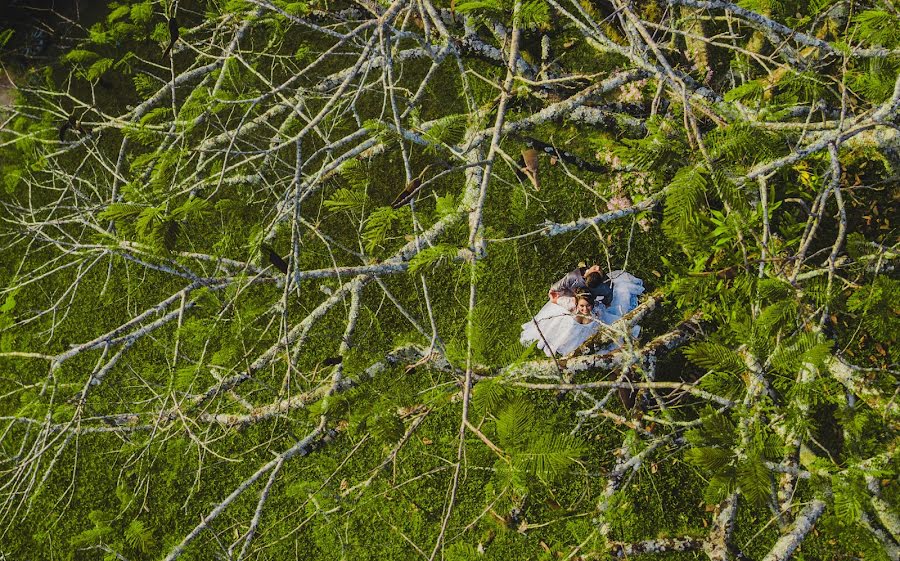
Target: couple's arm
(568, 283)
(564, 298)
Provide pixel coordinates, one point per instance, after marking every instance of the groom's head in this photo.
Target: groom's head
(593, 279)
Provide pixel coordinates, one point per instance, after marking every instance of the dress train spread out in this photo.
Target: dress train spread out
(556, 330)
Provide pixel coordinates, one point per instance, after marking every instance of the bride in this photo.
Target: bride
(561, 327)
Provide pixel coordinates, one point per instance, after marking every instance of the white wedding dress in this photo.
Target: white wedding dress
(556, 330)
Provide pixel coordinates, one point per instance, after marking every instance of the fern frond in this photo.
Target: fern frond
(754, 479)
(684, 204)
(489, 396)
(447, 130)
(514, 423)
(432, 256)
(709, 458)
(138, 536)
(356, 175)
(549, 456)
(347, 199)
(715, 357)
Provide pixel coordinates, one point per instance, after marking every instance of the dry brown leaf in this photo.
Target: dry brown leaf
(530, 167)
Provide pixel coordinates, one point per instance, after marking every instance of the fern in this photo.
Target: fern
(446, 130)
(445, 205)
(876, 306)
(806, 348)
(138, 536)
(476, 6)
(728, 191)
(356, 175)
(818, 6)
(849, 495)
(80, 56)
(715, 357)
(776, 317)
(716, 430)
(805, 87)
(720, 486)
(96, 534)
(347, 199)
(489, 395)
(549, 456)
(98, 68)
(877, 27)
(534, 14)
(748, 91)
(876, 79)
(709, 458)
(742, 143)
(754, 479)
(192, 208)
(120, 211)
(770, 290)
(142, 13)
(431, 257)
(683, 210)
(514, 423)
(664, 146)
(379, 223)
(723, 383)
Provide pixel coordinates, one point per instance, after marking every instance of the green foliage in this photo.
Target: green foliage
(741, 143)
(117, 13)
(446, 130)
(514, 422)
(532, 14)
(685, 200)
(714, 357)
(138, 537)
(732, 465)
(754, 479)
(141, 13)
(95, 535)
(379, 224)
(159, 482)
(80, 56)
(804, 350)
(877, 27)
(752, 90)
(489, 395)
(5, 36)
(876, 307)
(347, 199)
(431, 257)
(849, 494)
(98, 68)
(663, 150)
(386, 427)
(356, 174)
(535, 448)
(155, 225)
(445, 205)
(778, 316)
(197, 103)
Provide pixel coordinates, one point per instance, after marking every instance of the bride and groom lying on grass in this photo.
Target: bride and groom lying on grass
(577, 304)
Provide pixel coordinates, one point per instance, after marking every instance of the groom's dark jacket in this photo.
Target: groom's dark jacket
(574, 281)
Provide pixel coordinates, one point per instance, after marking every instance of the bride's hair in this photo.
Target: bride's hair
(579, 296)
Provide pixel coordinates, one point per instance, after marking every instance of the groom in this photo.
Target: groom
(592, 279)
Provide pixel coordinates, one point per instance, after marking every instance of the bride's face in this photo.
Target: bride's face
(584, 307)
